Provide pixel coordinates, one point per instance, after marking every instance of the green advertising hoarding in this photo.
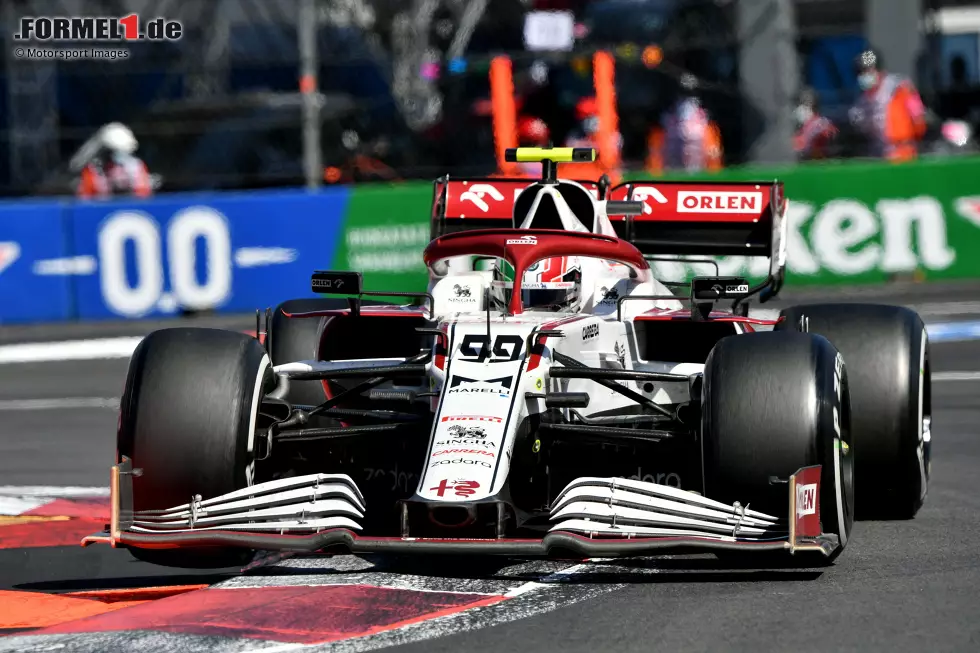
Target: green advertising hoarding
(847, 223)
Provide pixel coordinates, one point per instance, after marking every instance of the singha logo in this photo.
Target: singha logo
(461, 432)
(461, 291)
(609, 295)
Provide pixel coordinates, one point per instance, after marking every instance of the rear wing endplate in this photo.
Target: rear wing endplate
(706, 218)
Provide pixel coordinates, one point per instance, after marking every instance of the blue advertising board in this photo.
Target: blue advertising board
(32, 244)
(228, 252)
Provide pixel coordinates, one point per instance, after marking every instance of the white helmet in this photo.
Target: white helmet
(554, 284)
(117, 137)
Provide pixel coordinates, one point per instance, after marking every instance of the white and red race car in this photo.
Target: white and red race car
(545, 395)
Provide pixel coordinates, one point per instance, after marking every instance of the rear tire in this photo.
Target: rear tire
(887, 354)
(187, 420)
(769, 404)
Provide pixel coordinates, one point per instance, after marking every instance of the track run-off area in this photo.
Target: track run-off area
(905, 585)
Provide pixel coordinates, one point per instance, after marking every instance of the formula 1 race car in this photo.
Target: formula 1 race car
(547, 395)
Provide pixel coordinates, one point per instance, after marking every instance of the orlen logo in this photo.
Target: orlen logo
(718, 202)
(477, 192)
(806, 499)
(523, 240)
(643, 193)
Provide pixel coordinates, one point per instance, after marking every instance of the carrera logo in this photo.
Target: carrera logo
(472, 418)
(523, 240)
(478, 192)
(806, 499)
(590, 331)
(718, 202)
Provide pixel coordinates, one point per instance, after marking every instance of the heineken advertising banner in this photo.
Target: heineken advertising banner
(847, 222)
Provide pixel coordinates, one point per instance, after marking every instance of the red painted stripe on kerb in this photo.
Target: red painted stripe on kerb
(302, 615)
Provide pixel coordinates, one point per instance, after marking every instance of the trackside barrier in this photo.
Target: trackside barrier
(227, 252)
(234, 252)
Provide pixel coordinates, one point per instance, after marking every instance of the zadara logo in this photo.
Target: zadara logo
(806, 499)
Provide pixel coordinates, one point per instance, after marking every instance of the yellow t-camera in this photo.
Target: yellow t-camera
(553, 154)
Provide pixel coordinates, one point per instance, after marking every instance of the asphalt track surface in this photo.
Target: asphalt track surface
(910, 585)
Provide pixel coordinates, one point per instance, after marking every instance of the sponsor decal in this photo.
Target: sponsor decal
(470, 443)
(719, 202)
(463, 452)
(620, 351)
(672, 479)
(476, 432)
(643, 193)
(609, 295)
(400, 480)
(476, 348)
(737, 288)
(472, 418)
(504, 381)
(523, 240)
(462, 292)
(590, 331)
(460, 488)
(477, 193)
(502, 393)
(806, 499)
(461, 461)
(538, 384)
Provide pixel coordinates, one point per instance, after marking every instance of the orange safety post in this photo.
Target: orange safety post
(603, 70)
(504, 111)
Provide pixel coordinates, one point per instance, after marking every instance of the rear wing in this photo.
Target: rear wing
(706, 218)
(480, 202)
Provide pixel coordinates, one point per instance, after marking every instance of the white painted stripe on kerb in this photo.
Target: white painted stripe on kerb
(70, 350)
(56, 403)
(53, 491)
(956, 376)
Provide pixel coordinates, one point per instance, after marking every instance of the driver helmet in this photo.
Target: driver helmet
(553, 284)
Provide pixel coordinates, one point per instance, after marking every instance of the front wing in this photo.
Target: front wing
(592, 517)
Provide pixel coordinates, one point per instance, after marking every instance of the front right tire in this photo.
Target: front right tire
(187, 420)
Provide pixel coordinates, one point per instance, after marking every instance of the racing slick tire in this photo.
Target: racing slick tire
(772, 403)
(187, 420)
(295, 339)
(887, 354)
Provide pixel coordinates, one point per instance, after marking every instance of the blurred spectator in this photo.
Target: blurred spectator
(687, 139)
(365, 162)
(587, 135)
(889, 112)
(108, 165)
(815, 132)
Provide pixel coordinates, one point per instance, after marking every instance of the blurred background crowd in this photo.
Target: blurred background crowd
(264, 93)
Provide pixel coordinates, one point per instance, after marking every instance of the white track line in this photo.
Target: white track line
(52, 491)
(70, 350)
(956, 376)
(55, 403)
